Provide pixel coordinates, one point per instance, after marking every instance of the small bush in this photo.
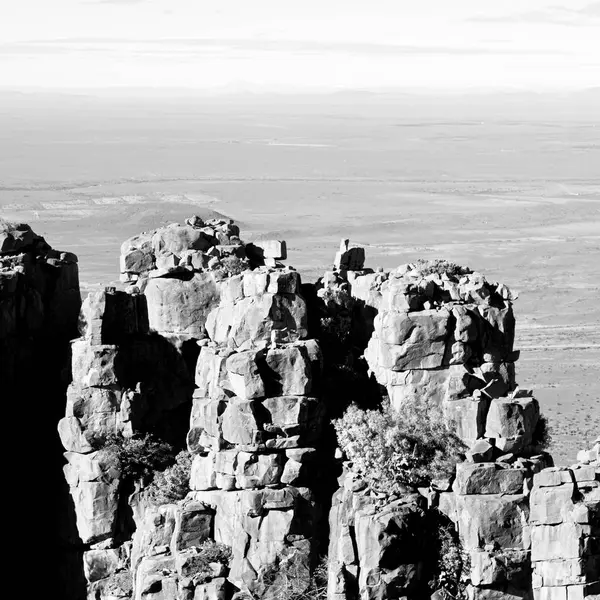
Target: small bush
(542, 434)
(215, 552)
(450, 564)
(7, 226)
(440, 267)
(138, 457)
(291, 580)
(393, 449)
(233, 265)
(210, 552)
(118, 584)
(173, 483)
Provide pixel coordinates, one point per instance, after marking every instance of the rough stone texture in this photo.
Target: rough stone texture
(375, 552)
(439, 339)
(39, 297)
(180, 306)
(252, 445)
(349, 259)
(119, 388)
(39, 307)
(565, 530)
(204, 310)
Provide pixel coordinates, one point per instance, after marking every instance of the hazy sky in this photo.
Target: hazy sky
(300, 45)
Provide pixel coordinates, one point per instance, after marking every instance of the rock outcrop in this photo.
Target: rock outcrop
(39, 298)
(215, 347)
(443, 337)
(39, 308)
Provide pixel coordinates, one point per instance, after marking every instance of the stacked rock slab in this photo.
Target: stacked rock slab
(254, 423)
(256, 419)
(39, 306)
(445, 338)
(125, 380)
(489, 504)
(565, 530)
(377, 549)
(255, 415)
(39, 298)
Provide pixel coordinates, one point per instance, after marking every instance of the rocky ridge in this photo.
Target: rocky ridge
(217, 347)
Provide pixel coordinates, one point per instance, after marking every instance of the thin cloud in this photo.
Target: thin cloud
(591, 10)
(119, 1)
(555, 15)
(201, 46)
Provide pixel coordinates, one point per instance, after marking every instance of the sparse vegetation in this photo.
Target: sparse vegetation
(392, 449)
(209, 553)
(119, 584)
(542, 434)
(440, 267)
(7, 226)
(292, 580)
(450, 564)
(173, 483)
(233, 265)
(137, 457)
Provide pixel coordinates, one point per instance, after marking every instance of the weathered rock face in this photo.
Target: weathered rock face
(565, 530)
(445, 339)
(39, 297)
(376, 551)
(39, 306)
(255, 414)
(531, 532)
(212, 338)
(255, 421)
(124, 377)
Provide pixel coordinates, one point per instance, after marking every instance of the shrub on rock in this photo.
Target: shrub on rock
(391, 449)
(173, 483)
(137, 457)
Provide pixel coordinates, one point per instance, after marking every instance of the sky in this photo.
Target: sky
(300, 45)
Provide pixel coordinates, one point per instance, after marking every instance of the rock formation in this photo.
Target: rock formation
(39, 308)
(216, 349)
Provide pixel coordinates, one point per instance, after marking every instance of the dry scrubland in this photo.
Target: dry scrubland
(508, 188)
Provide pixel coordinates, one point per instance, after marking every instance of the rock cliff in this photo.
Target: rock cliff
(216, 355)
(39, 308)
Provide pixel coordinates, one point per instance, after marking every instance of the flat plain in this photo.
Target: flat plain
(508, 186)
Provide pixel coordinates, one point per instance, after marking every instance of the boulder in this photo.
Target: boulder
(511, 422)
(181, 306)
(244, 376)
(96, 505)
(288, 371)
(175, 239)
(493, 519)
(409, 340)
(487, 478)
(349, 259)
(389, 548)
(193, 525)
(562, 541)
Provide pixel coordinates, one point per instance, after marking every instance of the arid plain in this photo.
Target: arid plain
(509, 186)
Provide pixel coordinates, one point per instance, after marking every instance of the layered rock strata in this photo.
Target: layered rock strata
(212, 338)
(39, 298)
(39, 307)
(254, 417)
(444, 339)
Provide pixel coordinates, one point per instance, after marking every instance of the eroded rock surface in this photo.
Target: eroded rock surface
(212, 345)
(39, 307)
